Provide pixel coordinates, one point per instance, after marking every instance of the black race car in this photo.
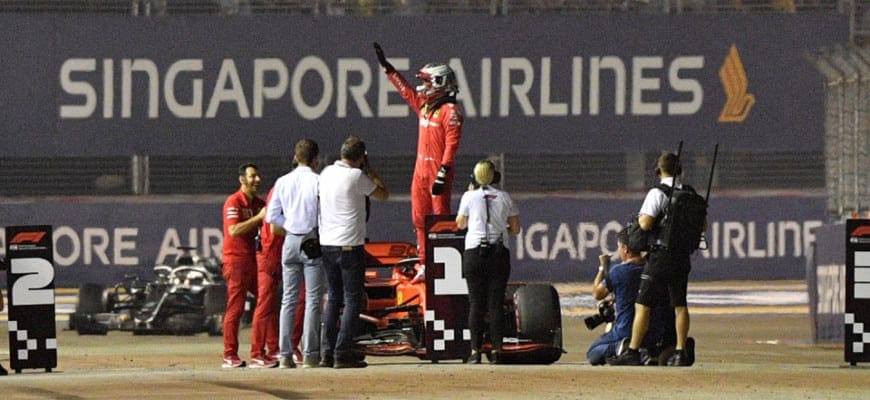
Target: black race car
(184, 299)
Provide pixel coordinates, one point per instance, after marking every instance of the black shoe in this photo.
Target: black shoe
(623, 345)
(690, 351)
(628, 357)
(646, 359)
(474, 357)
(494, 357)
(679, 359)
(3, 371)
(350, 363)
(665, 355)
(327, 362)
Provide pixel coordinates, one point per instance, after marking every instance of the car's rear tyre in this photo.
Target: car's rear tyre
(215, 299)
(539, 319)
(88, 304)
(90, 299)
(214, 325)
(184, 323)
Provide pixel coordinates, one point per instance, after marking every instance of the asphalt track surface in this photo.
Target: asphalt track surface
(743, 351)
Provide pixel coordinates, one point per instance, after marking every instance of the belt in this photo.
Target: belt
(343, 248)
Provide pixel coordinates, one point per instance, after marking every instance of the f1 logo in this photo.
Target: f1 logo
(27, 237)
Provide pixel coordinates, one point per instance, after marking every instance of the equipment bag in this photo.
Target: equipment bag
(682, 224)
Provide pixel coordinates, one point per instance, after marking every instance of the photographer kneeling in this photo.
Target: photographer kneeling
(490, 215)
(623, 280)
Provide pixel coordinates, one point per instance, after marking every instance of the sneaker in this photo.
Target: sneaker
(311, 362)
(665, 355)
(233, 362)
(646, 359)
(690, 351)
(495, 357)
(286, 363)
(263, 362)
(473, 358)
(622, 345)
(679, 359)
(297, 356)
(628, 357)
(352, 363)
(327, 362)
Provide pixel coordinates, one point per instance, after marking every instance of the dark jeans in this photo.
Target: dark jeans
(487, 279)
(345, 277)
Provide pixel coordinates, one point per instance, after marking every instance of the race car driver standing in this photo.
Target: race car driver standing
(440, 128)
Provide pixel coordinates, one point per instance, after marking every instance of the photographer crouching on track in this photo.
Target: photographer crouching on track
(622, 281)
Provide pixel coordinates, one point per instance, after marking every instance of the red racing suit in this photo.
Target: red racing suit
(440, 128)
(240, 265)
(264, 327)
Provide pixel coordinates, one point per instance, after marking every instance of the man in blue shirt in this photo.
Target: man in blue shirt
(623, 280)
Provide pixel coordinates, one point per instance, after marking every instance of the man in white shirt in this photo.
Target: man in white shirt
(293, 212)
(344, 187)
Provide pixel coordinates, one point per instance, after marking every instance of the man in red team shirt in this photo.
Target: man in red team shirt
(264, 327)
(243, 213)
(440, 122)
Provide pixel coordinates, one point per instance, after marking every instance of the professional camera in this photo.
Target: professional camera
(485, 249)
(606, 313)
(311, 244)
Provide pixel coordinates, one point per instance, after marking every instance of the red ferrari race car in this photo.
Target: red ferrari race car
(428, 318)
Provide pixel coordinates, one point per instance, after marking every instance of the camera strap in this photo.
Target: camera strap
(486, 226)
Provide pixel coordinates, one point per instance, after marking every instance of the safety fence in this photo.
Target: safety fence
(528, 173)
(847, 133)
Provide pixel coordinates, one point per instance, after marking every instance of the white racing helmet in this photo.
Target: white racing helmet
(440, 77)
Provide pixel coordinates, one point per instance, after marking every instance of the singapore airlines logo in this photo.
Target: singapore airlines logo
(734, 81)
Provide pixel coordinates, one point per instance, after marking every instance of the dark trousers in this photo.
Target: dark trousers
(345, 277)
(665, 275)
(487, 278)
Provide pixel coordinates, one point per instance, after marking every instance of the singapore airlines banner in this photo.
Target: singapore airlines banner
(95, 86)
(748, 238)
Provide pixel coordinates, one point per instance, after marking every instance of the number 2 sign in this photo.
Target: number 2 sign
(30, 276)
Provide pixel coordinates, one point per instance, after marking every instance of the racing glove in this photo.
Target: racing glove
(440, 180)
(383, 59)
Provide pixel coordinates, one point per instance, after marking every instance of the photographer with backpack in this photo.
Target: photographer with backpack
(674, 216)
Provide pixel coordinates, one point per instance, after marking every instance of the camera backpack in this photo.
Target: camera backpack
(682, 224)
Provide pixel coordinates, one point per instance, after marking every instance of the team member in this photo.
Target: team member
(343, 190)
(243, 214)
(440, 128)
(294, 210)
(490, 215)
(622, 281)
(666, 271)
(264, 327)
